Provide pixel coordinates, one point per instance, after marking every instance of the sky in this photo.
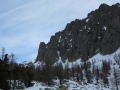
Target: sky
(26, 23)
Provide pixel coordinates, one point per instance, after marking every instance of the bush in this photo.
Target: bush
(62, 88)
(79, 83)
(85, 83)
(47, 89)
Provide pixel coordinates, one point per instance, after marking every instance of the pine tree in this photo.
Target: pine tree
(48, 71)
(73, 71)
(116, 76)
(59, 71)
(77, 72)
(81, 72)
(97, 75)
(4, 70)
(12, 62)
(67, 71)
(105, 72)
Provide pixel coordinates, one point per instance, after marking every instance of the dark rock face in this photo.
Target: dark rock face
(98, 32)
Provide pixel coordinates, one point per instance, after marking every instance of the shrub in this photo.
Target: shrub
(47, 89)
(62, 88)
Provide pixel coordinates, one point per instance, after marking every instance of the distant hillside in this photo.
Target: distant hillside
(99, 32)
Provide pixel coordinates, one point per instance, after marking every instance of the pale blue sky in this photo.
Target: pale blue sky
(26, 23)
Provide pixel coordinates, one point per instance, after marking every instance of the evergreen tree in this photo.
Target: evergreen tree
(4, 70)
(59, 71)
(81, 73)
(12, 63)
(97, 75)
(73, 71)
(88, 75)
(105, 72)
(67, 71)
(116, 77)
(77, 72)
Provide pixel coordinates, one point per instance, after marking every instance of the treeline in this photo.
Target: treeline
(20, 75)
(85, 72)
(12, 74)
(4, 73)
(95, 72)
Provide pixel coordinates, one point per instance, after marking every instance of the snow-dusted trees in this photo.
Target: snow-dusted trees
(38, 73)
(116, 79)
(81, 73)
(97, 75)
(93, 68)
(67, 71)
(77, 72)
(58, 71)
(73, 71)
(22, 73)
(105, 72)
(88, 73)
(48, 73)
(28, 73)
(117, 58)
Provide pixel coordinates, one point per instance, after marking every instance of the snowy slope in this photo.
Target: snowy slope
(98, 58)
(73, 85)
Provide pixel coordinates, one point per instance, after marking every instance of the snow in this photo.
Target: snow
(38, 85)
(69, 34)
(99, 37)
(84, 27)
(87, 20)
(80, 30)
(89, 28)
(59, 60)
(105, 27)
(105, 57)
(70, 40)
(97, 58)
(59, 38)
(38, 63)
(97, 50)
(71, 85)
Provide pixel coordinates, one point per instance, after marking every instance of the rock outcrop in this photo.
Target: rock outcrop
(98, 32)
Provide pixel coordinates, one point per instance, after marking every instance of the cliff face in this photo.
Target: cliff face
(98, 32)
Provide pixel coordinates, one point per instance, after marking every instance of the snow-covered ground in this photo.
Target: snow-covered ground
(38, 85)
(71, 85)
(98, 58)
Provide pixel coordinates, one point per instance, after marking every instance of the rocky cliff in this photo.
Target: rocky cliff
(98, 32)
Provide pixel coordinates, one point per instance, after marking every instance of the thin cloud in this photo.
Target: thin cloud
(24, 27)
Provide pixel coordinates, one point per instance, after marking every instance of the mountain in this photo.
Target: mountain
(99, 32)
